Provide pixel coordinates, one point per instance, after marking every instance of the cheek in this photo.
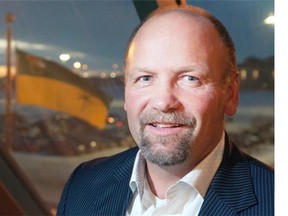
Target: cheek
(133, 105)
(206, 104)
(131, 100)
(135, 100)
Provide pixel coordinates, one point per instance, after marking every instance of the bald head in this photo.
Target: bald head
(187, 21)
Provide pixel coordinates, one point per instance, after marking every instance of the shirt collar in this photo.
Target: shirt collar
(199, 178)
(138, 174)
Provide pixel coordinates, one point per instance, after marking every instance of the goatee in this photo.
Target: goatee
(166, 150)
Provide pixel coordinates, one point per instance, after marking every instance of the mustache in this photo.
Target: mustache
(178, 118)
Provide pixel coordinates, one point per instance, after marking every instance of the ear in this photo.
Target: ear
(232, 96)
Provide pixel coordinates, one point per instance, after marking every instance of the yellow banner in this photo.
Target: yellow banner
(61, 96)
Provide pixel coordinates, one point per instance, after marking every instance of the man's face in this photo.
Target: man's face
(174, 96)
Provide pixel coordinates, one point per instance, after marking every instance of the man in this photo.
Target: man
(180, 81)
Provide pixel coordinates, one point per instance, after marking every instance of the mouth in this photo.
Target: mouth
(165, 128)
(165, 125)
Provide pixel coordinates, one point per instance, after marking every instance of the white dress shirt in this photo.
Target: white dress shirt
(185, 197)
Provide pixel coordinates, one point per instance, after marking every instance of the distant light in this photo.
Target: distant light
(3, 71)
(103, 75)
(119, 123)
(113, 75)
(270, 20)
(84, 66)
(81, 147)
(93, 144)
(64, 57)
(255, 74)
(115, 66)
(243, 74)
(85, 74)
(77, 65)
(111, 120)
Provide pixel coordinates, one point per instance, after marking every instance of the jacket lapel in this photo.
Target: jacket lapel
(115, 197)
(231, 190)
(123, 175)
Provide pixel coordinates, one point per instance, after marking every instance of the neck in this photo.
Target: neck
(160, 178)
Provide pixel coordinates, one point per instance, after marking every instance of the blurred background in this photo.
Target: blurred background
(61, 82)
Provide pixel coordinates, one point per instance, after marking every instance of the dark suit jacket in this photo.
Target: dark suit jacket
(241, 186)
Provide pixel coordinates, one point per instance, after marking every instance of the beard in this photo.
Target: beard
(166, 150)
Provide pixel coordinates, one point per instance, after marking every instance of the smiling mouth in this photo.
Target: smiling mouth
(165, 125)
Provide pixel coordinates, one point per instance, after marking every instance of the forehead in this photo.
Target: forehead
(175, 22)
(176, 26)
(173, 31)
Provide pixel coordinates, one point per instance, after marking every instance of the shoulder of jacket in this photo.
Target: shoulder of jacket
(107, 163)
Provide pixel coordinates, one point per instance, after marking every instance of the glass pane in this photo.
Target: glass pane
(88, 39)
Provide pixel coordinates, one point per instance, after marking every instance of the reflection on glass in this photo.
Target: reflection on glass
(87, 40)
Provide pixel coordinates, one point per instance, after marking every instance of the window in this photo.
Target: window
(88, 38)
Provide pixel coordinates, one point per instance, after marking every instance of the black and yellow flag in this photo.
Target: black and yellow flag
(41, 82)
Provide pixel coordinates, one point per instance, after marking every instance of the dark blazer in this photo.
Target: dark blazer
(242, 186)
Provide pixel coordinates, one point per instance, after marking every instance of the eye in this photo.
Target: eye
(188, 80)
(145, 78)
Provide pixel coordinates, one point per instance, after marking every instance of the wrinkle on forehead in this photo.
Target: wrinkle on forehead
(175, 28)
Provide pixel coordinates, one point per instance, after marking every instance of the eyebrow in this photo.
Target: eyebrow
(194, 67)
(183, 69)
(136, 71)
(140, 69)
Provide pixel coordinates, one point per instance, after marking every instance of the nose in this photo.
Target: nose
(165, 99)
